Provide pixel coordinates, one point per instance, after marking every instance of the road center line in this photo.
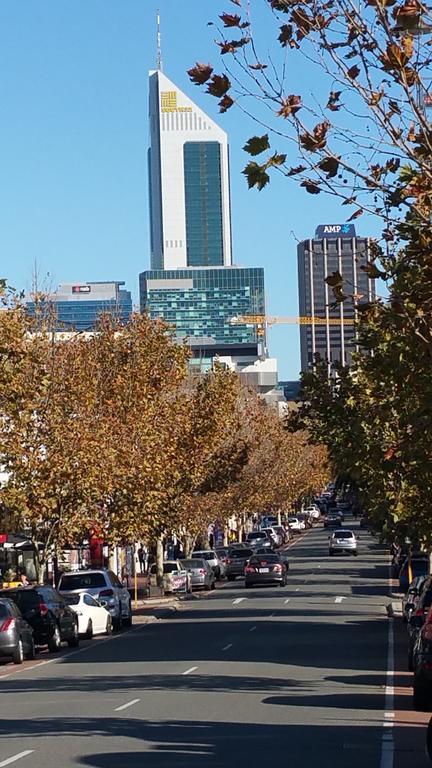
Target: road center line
(14, 758)
(287, 600)
(298, 589)
(252, 629)
(225, 648)
(339, 599)
(238, 600)
(188, 671)
(387, 741)
(127, 705)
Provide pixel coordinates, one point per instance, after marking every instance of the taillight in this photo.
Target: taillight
(249, 569)
(228, 561)
(427, 665)
(43, 608)
(106, 593)
(277, 567)
(202, 572)
(8, 623)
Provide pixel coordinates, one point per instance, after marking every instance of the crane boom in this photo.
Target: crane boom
(274, 320)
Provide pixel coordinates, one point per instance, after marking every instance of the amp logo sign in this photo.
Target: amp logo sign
(335, 230)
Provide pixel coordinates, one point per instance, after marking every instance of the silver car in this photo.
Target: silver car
(343, 541)
(106, 588)
(201, 573)
(212, 559)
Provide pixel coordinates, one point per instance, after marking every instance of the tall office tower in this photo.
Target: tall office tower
(189, 193)
(334, 248)
(78, 306)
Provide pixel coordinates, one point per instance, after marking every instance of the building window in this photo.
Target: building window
(203, 203)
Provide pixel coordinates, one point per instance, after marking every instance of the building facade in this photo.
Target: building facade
(200, 303)
(78, 306)
(190, 215)
(335, 248)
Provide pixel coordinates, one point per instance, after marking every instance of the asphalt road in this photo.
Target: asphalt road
(292, 676)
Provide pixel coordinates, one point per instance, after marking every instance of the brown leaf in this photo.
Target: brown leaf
(356, 214)
(225, 103)
(334, 279)
(353, 72)
(316, 140)
(258, 66)
(333, 100)
(218, 85)
(296, 170)
(286, 32)
(311, 187)
(233, 20)
(330, 166)
(302, 21)
(200, 73)
(290, 105)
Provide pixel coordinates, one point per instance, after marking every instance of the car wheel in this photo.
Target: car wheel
(73, 641)
(421, 696)
(355, 554)
(55, 641)
(207, 587)
(331, 553)
(31, 654)
(89, 632)
(213, 585)
(109, 626)
(247, 586)
(18, 654)
(128, 620)
(230, 578)
(118, 622)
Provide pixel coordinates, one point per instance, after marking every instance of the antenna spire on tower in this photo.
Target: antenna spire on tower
(158, 38)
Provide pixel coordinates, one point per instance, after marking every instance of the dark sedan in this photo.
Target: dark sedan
(265, 569)
(16, 636)
(48, 614)
(236, 561)
(332, 520)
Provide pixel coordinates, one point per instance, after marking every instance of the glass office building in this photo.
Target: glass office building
(335, 248)
(188, 169)
(78, 306)
(199, 303)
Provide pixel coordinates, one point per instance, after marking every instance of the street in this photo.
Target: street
(293, 675)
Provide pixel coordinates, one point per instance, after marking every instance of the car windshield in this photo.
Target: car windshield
(72, 599)
(23, 598)
(240, 553)
(206, 555)
(4, 610)
(82, 581)
(343, 535)
(192, 563)
(256, 535)
(293, 520)
(170, 567)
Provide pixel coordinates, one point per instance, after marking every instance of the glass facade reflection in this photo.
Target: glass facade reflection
(203, 203)
(199, 303)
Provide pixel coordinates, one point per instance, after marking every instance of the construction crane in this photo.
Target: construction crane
(274, 320)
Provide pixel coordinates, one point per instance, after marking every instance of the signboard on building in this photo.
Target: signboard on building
(335, 230)
(81, 289)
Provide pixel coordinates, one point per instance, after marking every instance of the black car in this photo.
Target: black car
(236, 561)
(422, 667)
(265, 569)
(418, 618)
(16, 635)
(48, 614)
(333, 520)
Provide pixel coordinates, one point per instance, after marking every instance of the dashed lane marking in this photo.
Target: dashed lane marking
(287, 600)
(188, 671)
(252, 629)
(127, 705)
(339, 599)
(226, 647)
(238, 600)
(14, 758)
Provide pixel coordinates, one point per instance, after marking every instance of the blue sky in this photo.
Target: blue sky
(73, 143)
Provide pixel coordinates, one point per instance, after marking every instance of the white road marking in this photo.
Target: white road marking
(13, 759)
(252, 629)
(298, 589)
(339, 599)
(287, 600)
(225, 648)
(127, 705)
(387, 741)
(238, 600)
(188, 671)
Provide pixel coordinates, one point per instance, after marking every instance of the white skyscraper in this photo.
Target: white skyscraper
(190, 218)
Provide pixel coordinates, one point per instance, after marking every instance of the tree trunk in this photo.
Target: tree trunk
(159, 563)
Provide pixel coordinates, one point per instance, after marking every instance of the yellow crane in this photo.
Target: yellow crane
(274, 319)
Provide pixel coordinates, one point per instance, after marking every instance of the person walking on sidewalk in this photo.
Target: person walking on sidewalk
(141, 558)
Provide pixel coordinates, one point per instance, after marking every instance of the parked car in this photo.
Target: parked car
(275, 537)
(313, 512)
(418, 617)
(105, 587)
(175, 577)
(419, 567)
(332, 520)
(259, 539)
(305, 519)
(212, 559)
(201, 573)
(411, 596)
(236, 562)
(93, 617)
(422, 667)
(265, 569)
(283, 533)
(16, 634)
(48, 614)
(343, 541)
(295, 525)
(222, 553)
(364, 522)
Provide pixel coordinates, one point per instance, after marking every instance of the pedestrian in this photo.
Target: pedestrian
(24, 580)
(141, 558)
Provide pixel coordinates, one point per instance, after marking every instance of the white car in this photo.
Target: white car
(276, 538)
(175, 577)
(93, 617)
(313, 512)
(296, 525)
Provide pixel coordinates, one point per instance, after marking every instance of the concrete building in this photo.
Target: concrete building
(78, 306)
(190, 218)
(334, 248)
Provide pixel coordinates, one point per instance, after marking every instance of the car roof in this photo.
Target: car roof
(343, 530)
(207, 551)
(84, 573)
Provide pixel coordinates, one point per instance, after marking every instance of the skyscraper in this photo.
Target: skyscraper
(190, 218)
(334, 248)
(78, 306)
